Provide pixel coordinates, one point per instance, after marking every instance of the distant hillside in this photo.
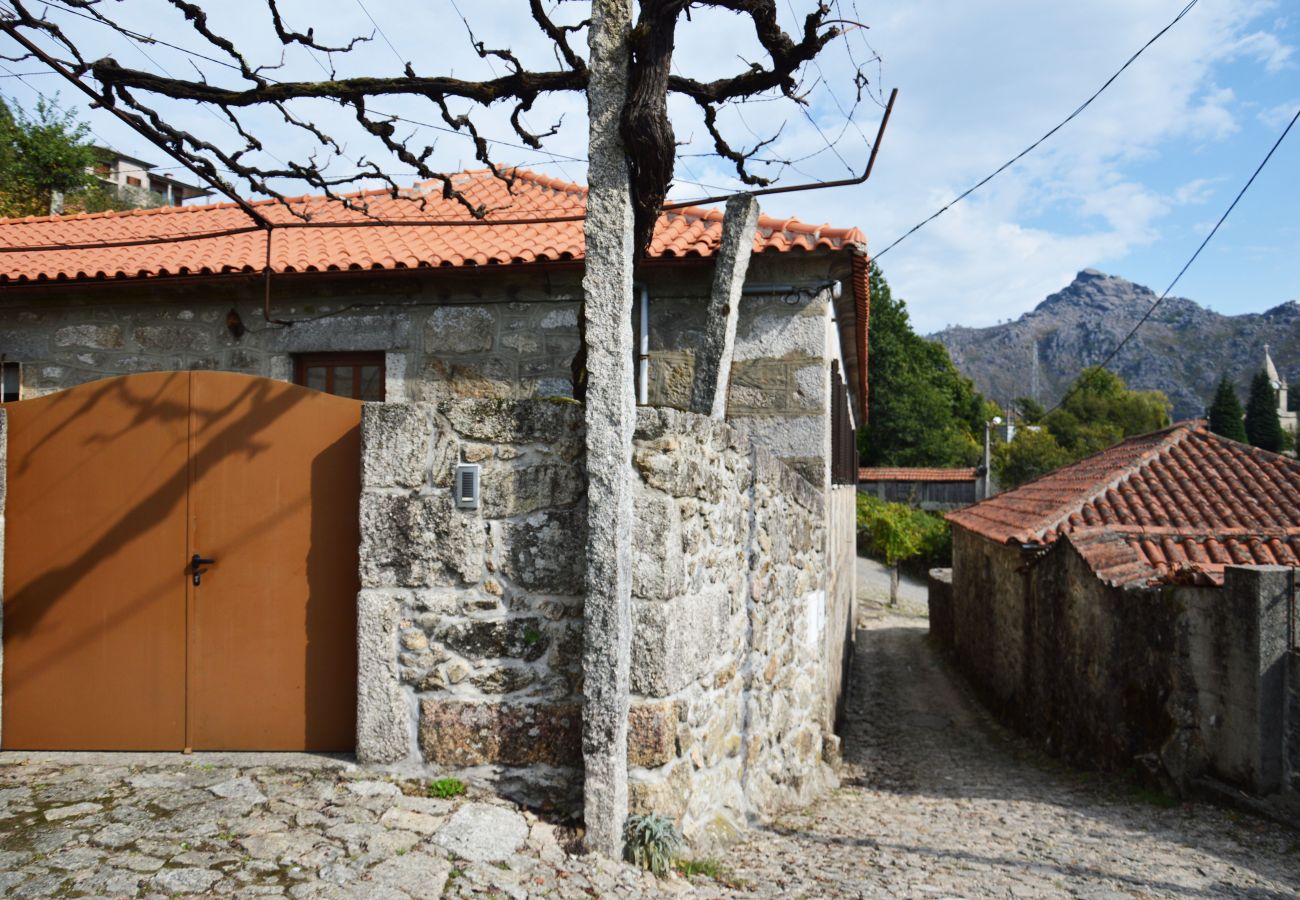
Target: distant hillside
(1181, 350)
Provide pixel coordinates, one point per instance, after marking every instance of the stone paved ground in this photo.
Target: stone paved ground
(937, 802)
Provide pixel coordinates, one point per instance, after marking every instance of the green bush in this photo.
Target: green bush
(896, 533)
(652, 842)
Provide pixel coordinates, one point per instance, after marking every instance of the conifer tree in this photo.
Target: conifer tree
(1263, 429)
(1226, 416)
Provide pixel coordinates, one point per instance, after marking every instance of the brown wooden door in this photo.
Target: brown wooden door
(276, 481)
(113, 487)
(94, 577)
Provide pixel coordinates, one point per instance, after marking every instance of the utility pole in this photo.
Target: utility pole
(611, 418)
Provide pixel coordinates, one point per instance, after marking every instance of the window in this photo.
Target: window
(356, 375)
(133, 181)
(11, 382)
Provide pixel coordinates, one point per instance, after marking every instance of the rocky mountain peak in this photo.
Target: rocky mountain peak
(1183, 349)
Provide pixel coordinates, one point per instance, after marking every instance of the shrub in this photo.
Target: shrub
(896, 533)
(651, 842)
(446, 788)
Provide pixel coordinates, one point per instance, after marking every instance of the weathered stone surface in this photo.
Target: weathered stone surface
(173, 338)
(67, 812)
(470, 733)
(383, 729)
(482, 833)
(675, 641)
(522, 638)
(373, 788)
(186, 881)
(396, 442)
(544, 551)
(651, 733)
(418, 541)
(504, 680)
(100, 337)
(509, 490)
(238, 789)
(460, 329)
(410, 820)
(555, 423)
(419, 875)
(665, 795)
(658, 570)
(731, 262)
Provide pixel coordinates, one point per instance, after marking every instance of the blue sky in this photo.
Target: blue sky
(1130, 187)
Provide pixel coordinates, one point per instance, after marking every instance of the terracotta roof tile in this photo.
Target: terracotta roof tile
(218, 238)
(1175, 505)
(902, 474)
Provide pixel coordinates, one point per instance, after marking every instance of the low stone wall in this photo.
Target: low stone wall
(470, 621)
(729, 716)
(842, 594)
(1178, 681)
(940, 602)
(4, 479)
(1292, 720)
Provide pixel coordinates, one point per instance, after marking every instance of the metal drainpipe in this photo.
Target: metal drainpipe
(643, 350)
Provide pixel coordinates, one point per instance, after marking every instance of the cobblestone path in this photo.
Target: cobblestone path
(937, 802)
(940, 802)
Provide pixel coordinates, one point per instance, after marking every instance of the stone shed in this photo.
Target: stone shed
(459, 337)
(1136, 610)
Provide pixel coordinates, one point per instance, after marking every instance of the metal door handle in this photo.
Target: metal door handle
(196, 564)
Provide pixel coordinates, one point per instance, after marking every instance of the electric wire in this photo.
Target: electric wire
(1023, 153)
(1187, 265)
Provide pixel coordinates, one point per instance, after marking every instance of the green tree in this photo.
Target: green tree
(896, 533)
(1031, 411)
(1225, 412)
(921, 410)
(1031, 453)
(1099, 410)
(40, 155)
(1263, 429)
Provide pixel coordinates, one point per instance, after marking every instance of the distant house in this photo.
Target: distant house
(934, 489)
(1131, 610)
(137, 182)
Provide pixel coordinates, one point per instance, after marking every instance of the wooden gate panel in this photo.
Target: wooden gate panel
(274, 501)
(94, 602)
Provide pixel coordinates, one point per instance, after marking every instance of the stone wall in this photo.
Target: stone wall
(729, 717)
(841, 592)
(1292, 720)
(470, 621)
(1176, 681)
(499, 333)
(4, 480)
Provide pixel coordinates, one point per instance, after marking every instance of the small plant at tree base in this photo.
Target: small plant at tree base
(651, 842)
(446, 788)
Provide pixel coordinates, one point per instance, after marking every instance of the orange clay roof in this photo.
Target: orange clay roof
(1175, 505)
(690, 232)
(902, 474)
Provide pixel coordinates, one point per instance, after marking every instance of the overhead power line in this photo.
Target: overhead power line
(1025, 152)
(1187, 265)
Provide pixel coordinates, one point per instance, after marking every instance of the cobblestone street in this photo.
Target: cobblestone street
(936, 801)
(939, 801)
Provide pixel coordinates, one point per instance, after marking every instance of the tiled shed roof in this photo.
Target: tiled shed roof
(1176, 504)
(218, 238)
(902, 474)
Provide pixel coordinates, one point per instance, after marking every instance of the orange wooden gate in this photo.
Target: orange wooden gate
(119, 634)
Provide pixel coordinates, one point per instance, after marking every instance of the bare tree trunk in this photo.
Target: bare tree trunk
(611, 417)
(893, 585)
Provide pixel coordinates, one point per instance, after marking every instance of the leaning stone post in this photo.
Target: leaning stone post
(713, 362)
(611, 417)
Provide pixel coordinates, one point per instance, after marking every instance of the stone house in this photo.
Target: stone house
(1136, 609)
(460, 335)
(924, 488)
